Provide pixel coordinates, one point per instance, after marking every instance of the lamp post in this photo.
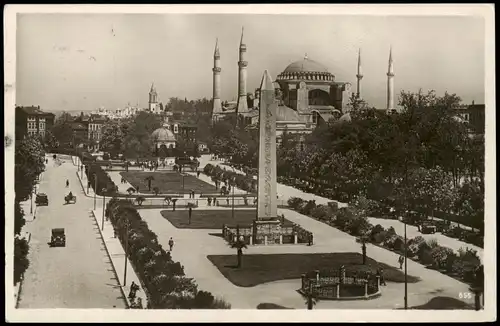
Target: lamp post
(233, 180)
(103, 206)
(126, 254)
(95, 190)
(406, 263)
(31, 207)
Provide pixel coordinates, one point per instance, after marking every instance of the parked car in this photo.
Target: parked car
(428, 228)
(42, 199)
(58, 238)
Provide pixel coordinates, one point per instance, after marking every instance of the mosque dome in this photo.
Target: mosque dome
(163, 134)
(306, 69)
(306, 65)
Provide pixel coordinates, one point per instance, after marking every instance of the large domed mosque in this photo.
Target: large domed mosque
(307, 92)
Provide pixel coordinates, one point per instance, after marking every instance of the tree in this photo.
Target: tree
(29, 163)
(19, 220)
(149, 179)
(21, 262)
(190, 207)
(62, 129)
(239, 245)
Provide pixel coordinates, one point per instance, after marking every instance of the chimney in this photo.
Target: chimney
(39, 107)
(472, 102)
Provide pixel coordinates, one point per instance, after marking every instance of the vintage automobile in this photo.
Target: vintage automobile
(428, 228)
(42, 199)
(70, 199)
(58, 238)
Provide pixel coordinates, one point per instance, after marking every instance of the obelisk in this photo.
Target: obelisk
(266, 204)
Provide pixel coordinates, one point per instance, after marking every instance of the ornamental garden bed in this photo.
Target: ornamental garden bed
(167, 182)
(211, 219)
(259, 269)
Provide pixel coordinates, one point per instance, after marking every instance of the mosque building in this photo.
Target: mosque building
(308, 94)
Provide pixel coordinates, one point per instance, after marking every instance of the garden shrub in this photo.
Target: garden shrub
(320, 212)
(295, 202)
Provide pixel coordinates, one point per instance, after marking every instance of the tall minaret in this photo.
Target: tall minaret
(217, 106)
(153, 99)
(390, 84)
(242, 78)
(359, 76)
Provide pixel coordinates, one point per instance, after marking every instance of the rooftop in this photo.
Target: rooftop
(33, 110)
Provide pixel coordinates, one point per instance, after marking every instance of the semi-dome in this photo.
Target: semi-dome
(163, 135)
(284, 113)
(306, 65)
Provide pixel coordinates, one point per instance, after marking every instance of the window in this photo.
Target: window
(176, 128)
(42, 125)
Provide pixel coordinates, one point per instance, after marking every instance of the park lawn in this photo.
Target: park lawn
(210, 219)
(258, 269)
(168, 182)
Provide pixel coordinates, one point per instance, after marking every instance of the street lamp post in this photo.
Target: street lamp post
(31, 207)
(126, 254)
(406, 263)
(103, 205)
(95, 190)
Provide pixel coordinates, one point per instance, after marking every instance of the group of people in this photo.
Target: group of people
(149, 165)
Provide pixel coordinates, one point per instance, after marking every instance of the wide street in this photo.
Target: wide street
(79, 275)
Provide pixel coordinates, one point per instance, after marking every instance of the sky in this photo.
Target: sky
(79, 62)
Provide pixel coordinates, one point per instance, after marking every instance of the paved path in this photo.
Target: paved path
(76, 276)
(192, 247)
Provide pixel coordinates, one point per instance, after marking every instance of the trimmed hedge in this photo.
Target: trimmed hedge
(164, 281)
(103, 180)
(244, 182)
(352, 220)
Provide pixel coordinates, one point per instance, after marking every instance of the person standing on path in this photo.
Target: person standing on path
(380, 273)
(171, 243)
(401, 260)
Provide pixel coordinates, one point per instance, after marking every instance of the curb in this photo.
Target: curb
(127, 302)
(19, 291)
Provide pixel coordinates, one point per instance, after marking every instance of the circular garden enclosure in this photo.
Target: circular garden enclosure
(339, 285)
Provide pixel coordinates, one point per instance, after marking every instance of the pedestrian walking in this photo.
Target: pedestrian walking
(198, 174)
(133, 291)
(67, 183)
(380, 274)
(401, 260)
(209, 200)
(171, 243)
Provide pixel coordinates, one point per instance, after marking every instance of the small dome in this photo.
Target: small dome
(163, 135)
(306, 65)
(284, 113)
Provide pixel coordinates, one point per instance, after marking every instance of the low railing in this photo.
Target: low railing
(339, 286)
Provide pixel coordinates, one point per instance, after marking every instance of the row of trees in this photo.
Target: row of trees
(352, 219)
(29, 163)
(163, 279)
(421, 159)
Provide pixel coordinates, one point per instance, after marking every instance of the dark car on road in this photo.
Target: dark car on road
(58, 238)
(42, 199)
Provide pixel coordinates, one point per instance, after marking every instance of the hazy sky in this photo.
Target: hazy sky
(84, 61)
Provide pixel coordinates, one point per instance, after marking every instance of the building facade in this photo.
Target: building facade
(31, 121)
